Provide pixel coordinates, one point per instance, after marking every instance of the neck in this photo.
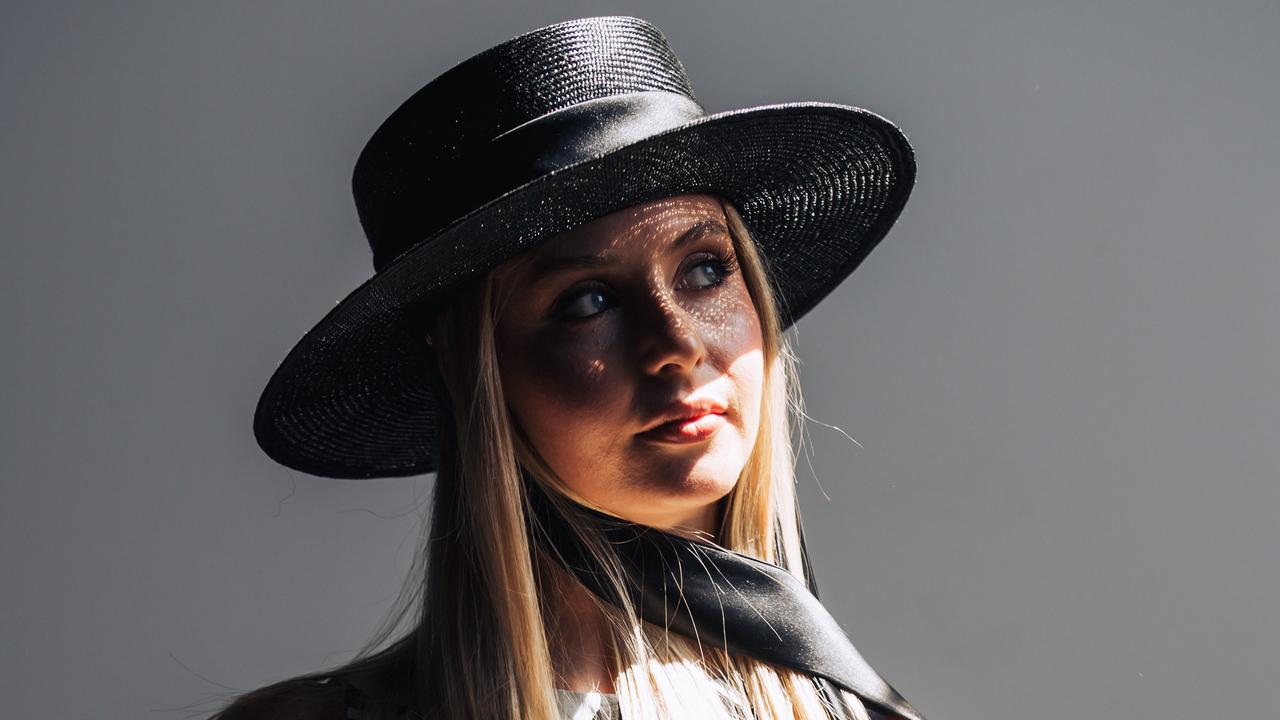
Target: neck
(576, 633)
(577, 629)
(702, 523)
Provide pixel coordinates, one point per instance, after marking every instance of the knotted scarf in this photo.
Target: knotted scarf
(723, 598)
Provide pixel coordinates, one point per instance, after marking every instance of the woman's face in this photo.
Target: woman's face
(611, 324)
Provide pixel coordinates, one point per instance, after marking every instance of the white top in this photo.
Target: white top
(589, 705)
(593, 705)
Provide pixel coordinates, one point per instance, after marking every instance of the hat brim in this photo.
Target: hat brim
(818, 184)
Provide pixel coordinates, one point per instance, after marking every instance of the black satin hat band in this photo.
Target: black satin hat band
(723, 598)
(551, 142)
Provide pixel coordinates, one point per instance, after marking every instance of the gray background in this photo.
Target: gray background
(1059, 366)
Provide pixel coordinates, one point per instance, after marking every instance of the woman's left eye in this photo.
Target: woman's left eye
(722, 266)
(717, 273)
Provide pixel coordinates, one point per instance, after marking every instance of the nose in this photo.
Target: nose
(669, 341)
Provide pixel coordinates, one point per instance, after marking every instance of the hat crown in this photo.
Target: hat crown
(418, 172)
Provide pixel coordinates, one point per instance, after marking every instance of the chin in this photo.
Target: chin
(682, 480)
(704, 478)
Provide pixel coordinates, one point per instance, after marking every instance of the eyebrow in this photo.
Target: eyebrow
(551, 264)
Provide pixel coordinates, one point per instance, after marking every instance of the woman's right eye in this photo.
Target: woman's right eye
(584, 304)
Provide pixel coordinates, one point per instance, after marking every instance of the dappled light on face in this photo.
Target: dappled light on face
(597, 369)
(605, 328)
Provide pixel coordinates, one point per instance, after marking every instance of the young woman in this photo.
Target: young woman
(576, 321)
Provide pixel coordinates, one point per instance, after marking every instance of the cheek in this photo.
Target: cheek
(736, 338)
(732, 334)
(559, 391)
(746, 372)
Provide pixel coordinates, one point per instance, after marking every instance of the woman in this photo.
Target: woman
(582, 282)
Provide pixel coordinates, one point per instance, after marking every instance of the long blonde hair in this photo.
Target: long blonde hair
(488, 598)
(479, 649)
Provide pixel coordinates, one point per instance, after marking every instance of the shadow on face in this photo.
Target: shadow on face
(606, 329)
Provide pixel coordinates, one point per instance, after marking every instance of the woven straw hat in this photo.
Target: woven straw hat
(527, 139)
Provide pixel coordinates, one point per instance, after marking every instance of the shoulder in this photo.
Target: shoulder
(317, 699)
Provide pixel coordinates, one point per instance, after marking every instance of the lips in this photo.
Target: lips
(687, 410)
(687, 421)
(687, 430)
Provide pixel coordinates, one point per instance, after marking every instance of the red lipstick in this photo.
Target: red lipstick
(687, 422)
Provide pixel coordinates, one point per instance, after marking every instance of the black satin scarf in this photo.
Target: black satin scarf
(722, 598)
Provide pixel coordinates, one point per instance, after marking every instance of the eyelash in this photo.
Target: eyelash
(726, 265)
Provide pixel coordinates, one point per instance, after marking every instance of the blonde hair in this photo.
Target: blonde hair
(494, 612)
(479, 649)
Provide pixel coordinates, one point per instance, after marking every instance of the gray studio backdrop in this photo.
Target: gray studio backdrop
(1041, 479)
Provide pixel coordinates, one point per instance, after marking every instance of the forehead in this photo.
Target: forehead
(654, 221)
(646, 228)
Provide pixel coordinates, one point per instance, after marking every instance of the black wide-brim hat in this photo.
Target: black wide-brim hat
(530, 138)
